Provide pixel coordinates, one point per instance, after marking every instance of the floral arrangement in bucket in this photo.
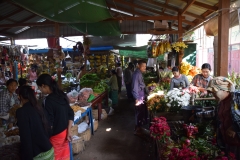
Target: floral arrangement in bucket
(156, 102)
(160, 130)
(178, 46)
(176, 99)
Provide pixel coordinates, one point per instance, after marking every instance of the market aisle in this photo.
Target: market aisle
(119, 143)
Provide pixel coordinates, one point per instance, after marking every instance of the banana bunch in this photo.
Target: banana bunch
(163, 47)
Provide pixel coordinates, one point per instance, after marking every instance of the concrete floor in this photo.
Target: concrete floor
(119, 143)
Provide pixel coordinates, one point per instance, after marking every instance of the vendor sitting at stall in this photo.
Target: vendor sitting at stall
(179, 80)
(113, 83)
(8, 97)
(201, 80)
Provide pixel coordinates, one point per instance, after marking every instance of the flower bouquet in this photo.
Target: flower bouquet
(178, 46)
(156, 102)
(176, 99)
(160, 130)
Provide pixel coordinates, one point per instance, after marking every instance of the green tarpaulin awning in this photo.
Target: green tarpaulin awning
(68, 11)
(98, 29)
(136, 53)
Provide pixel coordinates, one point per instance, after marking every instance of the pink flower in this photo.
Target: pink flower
(187, 142)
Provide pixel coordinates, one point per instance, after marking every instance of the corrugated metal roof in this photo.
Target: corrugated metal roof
(5, 22)
(7, 8)
(172, 8)
(145, 12)
(176, 3)
(196, 10)
(15, 29)
(209, 2)
(35, 19)
(21, 15)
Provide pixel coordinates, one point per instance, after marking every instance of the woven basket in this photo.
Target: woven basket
(104, 114)
(74, 130)
(95, 113)
(78, 145)
(86, 135)
(95, 125)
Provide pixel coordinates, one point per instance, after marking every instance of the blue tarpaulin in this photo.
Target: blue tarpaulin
(102, 48)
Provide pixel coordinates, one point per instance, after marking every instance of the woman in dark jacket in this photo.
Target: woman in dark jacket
(60, 115)
(35, 143)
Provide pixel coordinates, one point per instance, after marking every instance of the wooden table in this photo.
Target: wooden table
(98, 101)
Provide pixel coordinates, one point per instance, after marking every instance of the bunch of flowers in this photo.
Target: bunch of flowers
(177, 98)
(184, 68)
(152, 86)
(177, 46)
(193, 89)
(182, 154)
(189, 70)
(190, 130)
(222, 156)
(235, 78)
(156, 102)
(160, 130)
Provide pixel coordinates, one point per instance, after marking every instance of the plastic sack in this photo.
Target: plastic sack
(84, 94)
(82, 127)
(72, 96)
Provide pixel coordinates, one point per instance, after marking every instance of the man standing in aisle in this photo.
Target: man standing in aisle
(119, 76)
(128, 80)
(138, 91)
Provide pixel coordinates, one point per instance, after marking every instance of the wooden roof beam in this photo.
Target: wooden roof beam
(189, 3)
(203, 5)
(162, 32)
(205, 14)
(166, 2)
(151, 10)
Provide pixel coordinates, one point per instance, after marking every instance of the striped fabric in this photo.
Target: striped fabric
(49, 155)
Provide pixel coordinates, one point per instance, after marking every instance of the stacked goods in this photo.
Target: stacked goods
(111, 62)
(84, 95)
(91, 60)
(77, 108)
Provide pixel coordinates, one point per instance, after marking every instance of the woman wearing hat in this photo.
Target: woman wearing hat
(201, 80)
(221, 89)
